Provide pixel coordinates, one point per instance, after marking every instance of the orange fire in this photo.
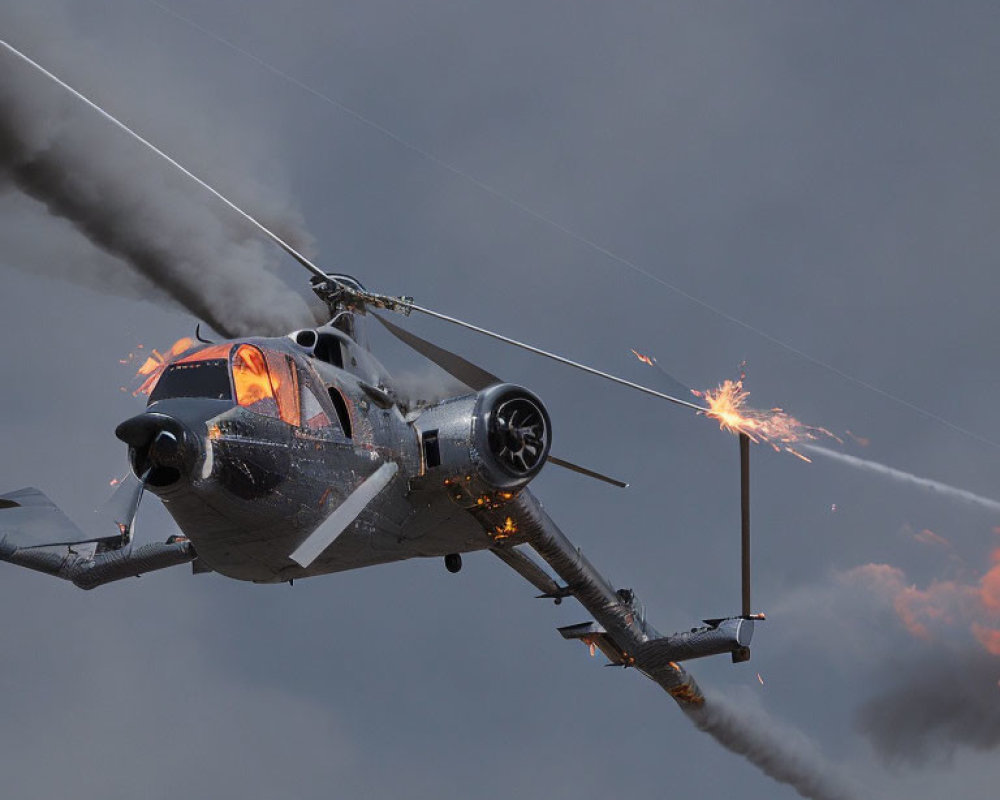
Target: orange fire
(509, 528)
(154, 365)
(727, 404)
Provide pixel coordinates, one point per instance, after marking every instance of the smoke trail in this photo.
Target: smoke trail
(780, 751)
(905, 477)
(131, 207)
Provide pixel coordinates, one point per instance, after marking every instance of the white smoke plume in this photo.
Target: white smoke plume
(779, 750)
(164, 227)
(927, 484)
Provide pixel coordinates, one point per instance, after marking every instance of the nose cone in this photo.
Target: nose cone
(161, 446)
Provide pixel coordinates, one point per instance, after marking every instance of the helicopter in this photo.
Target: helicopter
(289, 457)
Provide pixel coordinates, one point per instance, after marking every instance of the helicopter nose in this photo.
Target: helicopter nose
(160, 447)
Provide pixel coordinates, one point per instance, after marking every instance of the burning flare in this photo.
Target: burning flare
(727, 404)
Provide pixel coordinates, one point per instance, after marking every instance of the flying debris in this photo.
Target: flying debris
(644, 359)
(760, 680)
(151, 369)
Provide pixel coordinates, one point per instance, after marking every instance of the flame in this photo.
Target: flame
(644, 359)
(727, 404)
(151, 369)
(509, 528)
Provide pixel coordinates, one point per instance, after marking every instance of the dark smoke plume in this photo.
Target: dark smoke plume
(780, 751)
(941, 704)
(123, 201)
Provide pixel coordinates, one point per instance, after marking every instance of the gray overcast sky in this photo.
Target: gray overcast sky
(827, 173)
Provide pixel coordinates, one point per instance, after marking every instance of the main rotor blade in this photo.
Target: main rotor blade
(468, 373)
(588, 472)
(348, 511)
(476, 378)
(406, 305)
(305, 262)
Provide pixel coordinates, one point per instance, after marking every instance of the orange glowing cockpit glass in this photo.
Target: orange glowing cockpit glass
(266, 384)
(263, 381)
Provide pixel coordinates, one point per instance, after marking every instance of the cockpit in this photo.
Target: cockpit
(264, 381)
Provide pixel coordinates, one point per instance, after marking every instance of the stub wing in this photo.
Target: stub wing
(36, 534)
(619, 629)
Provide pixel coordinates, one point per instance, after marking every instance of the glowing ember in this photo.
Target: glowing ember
(644, 359)
(154, 365)
(861, 440)
(727, 404)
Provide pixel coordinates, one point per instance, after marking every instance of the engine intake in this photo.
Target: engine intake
(485, 446)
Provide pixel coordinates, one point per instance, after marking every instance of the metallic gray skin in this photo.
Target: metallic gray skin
(247, 490)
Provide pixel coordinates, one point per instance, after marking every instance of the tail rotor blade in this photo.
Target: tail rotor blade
(745, 519)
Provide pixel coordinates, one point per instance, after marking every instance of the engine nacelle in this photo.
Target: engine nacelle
(484, 447)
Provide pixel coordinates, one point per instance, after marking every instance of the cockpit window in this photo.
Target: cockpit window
(266, 383)
(206, 378)
(285, 382)
(252, 381)
(263, 381)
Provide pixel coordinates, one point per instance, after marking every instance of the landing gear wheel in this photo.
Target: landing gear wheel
(453, 562)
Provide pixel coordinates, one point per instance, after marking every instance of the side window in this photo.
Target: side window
(252, 381)
(340, 405)
(314, 418)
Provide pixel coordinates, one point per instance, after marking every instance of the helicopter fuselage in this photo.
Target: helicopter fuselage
(249, 474)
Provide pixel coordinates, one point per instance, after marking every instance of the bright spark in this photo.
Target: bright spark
(727, 404)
